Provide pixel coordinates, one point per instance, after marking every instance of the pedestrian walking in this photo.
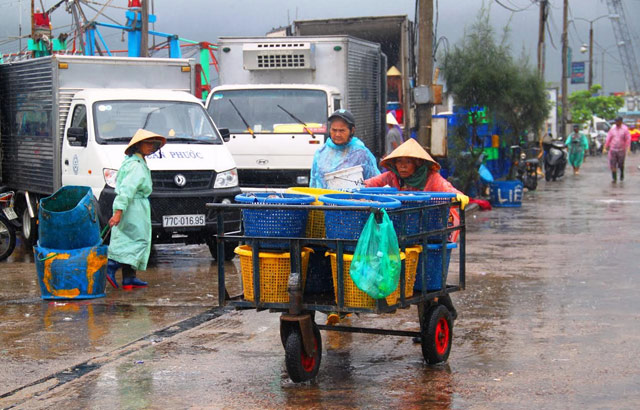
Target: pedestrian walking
(578, 144)
(130, 244)
(394, 134)
(618, 142)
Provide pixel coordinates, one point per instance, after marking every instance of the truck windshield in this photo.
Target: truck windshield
(186, 122)
(260, 110)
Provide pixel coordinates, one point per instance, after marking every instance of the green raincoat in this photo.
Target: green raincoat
(131, 238)
(578, 144)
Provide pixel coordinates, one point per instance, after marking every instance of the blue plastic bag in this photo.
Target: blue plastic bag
(375, 268)
(485, 174)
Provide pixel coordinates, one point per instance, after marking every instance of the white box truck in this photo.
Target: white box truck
(67, 119)
(276, 93)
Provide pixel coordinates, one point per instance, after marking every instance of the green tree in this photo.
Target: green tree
(587, 103)
(481, 72)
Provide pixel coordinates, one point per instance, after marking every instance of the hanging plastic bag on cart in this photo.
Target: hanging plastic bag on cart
(375, 268)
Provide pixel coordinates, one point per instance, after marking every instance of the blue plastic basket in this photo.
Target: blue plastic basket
(349, 224)
(409, 199)
(274, 222)
(434, 267)
(386, 190)
(436, 219)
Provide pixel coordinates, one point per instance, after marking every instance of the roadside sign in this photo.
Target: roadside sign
(577, 72)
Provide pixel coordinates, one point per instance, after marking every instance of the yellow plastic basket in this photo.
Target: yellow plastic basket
(315, 223)
(410, 268)
(274, 273)
(354, 297)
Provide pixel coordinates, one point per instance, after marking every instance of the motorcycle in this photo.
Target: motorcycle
(596, 142)
(555, 159)
(525, 166)
(8, 221)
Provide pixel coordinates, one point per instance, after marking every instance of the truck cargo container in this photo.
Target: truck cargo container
(275, 95)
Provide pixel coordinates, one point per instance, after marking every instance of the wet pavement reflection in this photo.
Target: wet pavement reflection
(549, 319)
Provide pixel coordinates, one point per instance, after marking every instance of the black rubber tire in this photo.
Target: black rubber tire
(436, 334)
(300, 366)
(7, 238)
(229, 247)
(29, 228)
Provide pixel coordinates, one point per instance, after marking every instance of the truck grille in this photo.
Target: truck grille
(193, 180)
(270, 178)
(281, 61)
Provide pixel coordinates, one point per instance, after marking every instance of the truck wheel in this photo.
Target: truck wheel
(300, 366)
(229, 247)
(7, 238)
(436, 334)
(29, 228)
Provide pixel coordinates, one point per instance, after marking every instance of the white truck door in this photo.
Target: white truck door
(76, 161)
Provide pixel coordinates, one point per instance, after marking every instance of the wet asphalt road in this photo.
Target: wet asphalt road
(550, 319)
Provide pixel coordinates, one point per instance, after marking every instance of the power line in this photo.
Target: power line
(512, 9)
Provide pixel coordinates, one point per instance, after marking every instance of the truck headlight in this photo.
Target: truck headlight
(226, 179)
(110, 176)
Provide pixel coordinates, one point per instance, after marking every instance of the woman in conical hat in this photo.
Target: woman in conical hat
(131, 221)
(413, 169)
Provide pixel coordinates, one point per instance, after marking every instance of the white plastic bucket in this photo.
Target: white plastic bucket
(345, 178)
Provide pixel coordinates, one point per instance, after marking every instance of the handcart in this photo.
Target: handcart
(299, 332)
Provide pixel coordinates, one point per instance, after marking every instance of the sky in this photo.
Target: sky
(206, 20)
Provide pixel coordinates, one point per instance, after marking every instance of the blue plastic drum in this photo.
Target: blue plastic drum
(72, 273)
(68, 219)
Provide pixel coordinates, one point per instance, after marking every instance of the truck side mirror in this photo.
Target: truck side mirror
(225, 134)
(77, 136)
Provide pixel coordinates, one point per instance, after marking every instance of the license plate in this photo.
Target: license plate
(10, 213)
(172, 221)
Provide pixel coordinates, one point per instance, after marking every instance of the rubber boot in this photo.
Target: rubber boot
(112, 268)
(129, 280)
(614, 176)
(621, 174)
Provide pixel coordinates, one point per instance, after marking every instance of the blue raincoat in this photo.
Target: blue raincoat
(332, 157)
(131, 238)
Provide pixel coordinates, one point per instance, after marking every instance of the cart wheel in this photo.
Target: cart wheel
(436, 334)
(300, 366)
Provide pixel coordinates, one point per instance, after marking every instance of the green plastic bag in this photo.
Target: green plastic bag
(375, 268)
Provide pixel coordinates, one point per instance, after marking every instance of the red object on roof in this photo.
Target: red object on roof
(134, 3)
(41, 19)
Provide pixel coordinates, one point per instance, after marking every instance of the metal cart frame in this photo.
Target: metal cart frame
(300, 334)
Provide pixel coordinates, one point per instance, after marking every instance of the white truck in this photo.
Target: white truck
(67, 119)
(276, 93)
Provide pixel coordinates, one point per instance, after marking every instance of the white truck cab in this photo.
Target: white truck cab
(274, 129)
(193, 168)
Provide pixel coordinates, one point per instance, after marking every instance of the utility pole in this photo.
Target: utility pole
(541, 27)
(425, 68)
(565, 52)
(590, 54)
(144, 30)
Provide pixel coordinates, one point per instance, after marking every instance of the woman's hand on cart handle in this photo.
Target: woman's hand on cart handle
(464, 200)
(115, 219)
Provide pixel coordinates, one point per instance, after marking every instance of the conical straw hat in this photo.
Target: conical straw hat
(410, 149)
(142, 135)
(393, 72)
